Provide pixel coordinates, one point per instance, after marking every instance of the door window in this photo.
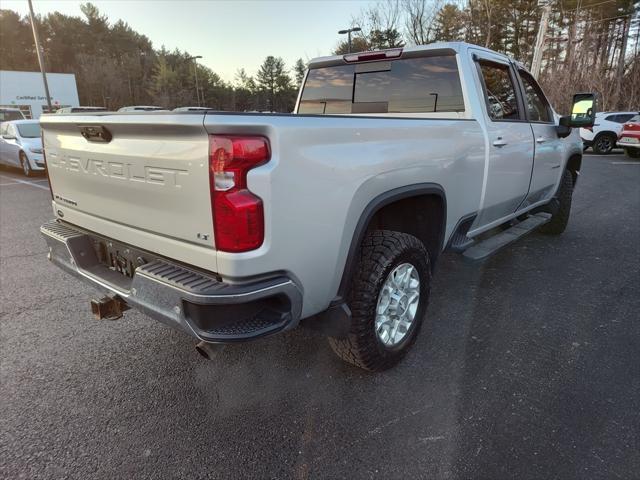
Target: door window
(537, 105)
(500, 93)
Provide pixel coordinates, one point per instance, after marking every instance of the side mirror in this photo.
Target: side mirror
(583, 114)
(583, 111)
(8, 137)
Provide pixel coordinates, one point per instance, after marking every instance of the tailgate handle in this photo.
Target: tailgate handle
(96, 133)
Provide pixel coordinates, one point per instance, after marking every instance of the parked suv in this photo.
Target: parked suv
(602, 137)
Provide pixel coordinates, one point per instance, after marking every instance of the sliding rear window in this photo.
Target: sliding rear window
(413, 85)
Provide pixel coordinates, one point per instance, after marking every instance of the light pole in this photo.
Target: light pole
(195, 70)
(43, 69)
(348, 32)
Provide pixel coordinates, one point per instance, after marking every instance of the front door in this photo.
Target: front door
(510, 141)
(547, 145)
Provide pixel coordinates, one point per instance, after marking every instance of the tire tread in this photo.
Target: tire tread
(378, 251)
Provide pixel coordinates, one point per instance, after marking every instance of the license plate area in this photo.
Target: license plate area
(118, 257)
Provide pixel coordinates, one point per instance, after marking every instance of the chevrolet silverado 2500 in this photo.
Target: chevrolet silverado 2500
(234, 226)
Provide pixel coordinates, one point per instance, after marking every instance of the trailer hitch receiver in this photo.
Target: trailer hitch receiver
(108, 308)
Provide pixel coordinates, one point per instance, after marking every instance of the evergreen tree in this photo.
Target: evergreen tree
(299, 71)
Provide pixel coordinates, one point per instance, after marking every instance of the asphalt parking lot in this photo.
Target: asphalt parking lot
(529, 367)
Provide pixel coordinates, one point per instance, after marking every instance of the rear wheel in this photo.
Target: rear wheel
(560, 207)
(604, 143)
(26, 167)
(388, 300)
(632, 152)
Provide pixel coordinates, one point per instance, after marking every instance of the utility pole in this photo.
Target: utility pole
(536, 64)
(43, 69)
(195, 70)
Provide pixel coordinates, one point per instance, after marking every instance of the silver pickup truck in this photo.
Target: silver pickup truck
(234, 226)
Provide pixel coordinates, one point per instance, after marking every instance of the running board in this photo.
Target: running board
(491, 245)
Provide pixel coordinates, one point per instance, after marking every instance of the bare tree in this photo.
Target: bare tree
(420, 17)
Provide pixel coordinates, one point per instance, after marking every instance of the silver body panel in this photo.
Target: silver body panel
(323, 173)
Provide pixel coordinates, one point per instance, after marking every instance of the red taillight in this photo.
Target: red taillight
(238, 215)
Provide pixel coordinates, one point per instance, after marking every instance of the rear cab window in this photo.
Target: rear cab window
(406, 85)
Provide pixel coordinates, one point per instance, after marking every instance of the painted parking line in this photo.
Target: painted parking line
(625, 163)
(16, 181)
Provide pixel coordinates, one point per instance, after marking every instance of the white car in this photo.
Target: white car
(65, 110)
(602, 137)
(142, 108)
(191, 109)
(21, 145)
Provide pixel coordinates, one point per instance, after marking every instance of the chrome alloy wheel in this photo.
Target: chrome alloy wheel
(397, 304)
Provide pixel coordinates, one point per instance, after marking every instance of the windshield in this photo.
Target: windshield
(7, 115)
(414, 85)
(29, 130)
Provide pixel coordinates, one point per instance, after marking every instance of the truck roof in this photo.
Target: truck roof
(457, 47)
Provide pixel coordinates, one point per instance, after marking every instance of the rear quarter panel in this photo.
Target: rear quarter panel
(326, 169)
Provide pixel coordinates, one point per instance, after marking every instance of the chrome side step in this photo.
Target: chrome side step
(485, 248)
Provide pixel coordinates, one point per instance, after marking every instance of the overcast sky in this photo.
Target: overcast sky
(228, 34)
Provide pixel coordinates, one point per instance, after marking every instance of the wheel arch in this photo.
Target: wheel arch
(605, 132)
(392, 210)
(574, 164)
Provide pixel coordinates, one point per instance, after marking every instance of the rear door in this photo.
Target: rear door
(510, 140)
(548, 150)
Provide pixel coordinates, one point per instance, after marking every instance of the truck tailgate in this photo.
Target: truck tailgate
(151, 175)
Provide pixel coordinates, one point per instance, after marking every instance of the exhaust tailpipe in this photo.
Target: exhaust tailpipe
(208, 350)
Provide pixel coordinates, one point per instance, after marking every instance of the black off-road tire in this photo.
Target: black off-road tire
(604, 143)
(562, 207)
(380, 253)
(632, 152)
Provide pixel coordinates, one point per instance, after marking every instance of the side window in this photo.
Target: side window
(502, 103)
(612, 118)
(625, 117)
(537, 105)
(3, 128)
(11, 130)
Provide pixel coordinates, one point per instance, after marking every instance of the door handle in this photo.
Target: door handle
(499, 142)
(541, 140)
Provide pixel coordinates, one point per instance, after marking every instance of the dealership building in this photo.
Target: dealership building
(25, 90)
